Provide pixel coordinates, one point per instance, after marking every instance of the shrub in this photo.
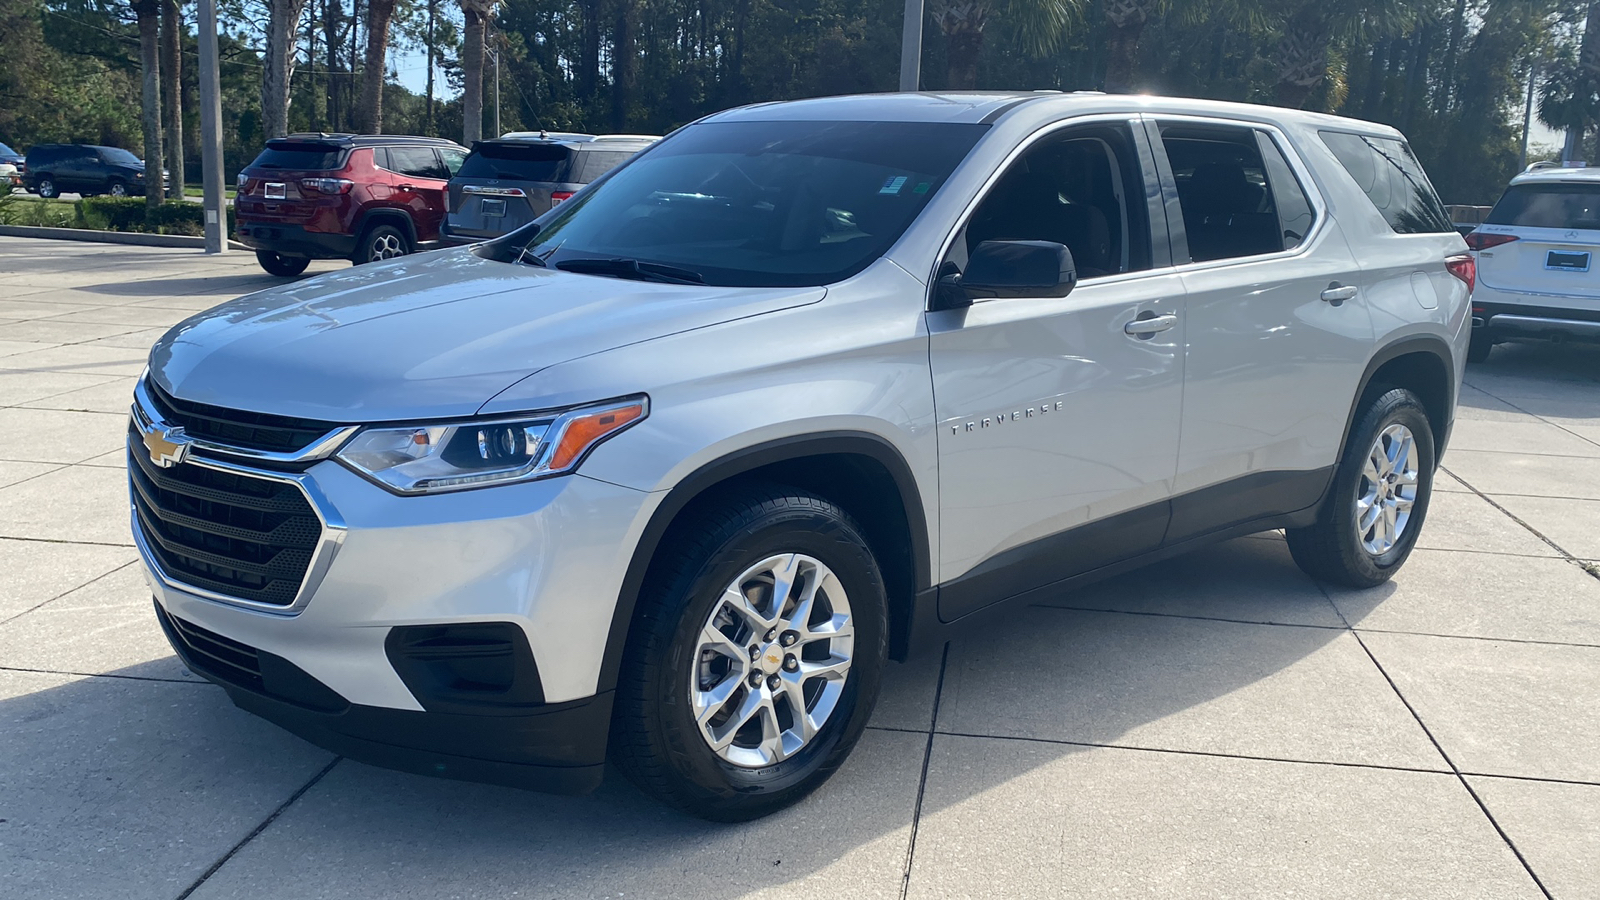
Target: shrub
(19, 209)
(116, 213)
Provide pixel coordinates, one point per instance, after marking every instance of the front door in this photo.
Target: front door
(1058, 428)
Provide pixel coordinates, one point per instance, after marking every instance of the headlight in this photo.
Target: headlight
(430, 458)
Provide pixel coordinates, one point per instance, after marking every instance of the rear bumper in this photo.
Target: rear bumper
(456, 237)
(1532, 320)
(295, 240)
(557, 747)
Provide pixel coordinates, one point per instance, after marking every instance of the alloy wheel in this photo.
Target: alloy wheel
(1388, 490)
(386, 246)
(771, 660)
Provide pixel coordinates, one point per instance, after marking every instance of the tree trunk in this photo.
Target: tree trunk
(1373, 96)
(370, 121)
(433, 36)
(1125, 21)
(622, 64)
(589, 54)
(332, 12)
(1417, 76)
(172, 93)
(148, 13)
(961, 69)
(282, 17)
(1453, 49)
(475, 13)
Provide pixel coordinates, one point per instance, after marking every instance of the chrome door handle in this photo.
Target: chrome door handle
(1337, 293)
(1143, 328)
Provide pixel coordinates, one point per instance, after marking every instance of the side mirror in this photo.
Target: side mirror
(1010, 269)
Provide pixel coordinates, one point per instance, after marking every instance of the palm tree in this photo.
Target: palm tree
(1125, 21)
(148, 15)
(1571, 98)
(1308, 29)
(1040, 26)
(370, 118)
(171, 36)
(282, 16)
(476, 13)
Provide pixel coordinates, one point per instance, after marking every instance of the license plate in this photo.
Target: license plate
(492, 207)
(1566, 261)
(275, 190)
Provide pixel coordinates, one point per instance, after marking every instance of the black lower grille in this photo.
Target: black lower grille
(236, 535)
(224, 658)
(237, 427)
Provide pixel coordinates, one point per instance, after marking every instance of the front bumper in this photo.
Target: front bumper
(541, 560)
(294, 240)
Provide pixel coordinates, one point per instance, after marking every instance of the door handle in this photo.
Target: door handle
(1149, 327)
(1338, 293)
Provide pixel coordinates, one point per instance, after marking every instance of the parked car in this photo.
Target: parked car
(343, 196)
(671, 473)
(11, 157)
(507, 183)
(10, 177)
(1536, 252)
(87, 169)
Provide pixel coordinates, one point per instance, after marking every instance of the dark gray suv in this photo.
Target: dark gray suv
(509, 182)
(88, 169)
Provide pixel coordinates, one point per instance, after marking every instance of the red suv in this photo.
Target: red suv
(342, 196)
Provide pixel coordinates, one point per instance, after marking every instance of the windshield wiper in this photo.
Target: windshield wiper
(625, 267)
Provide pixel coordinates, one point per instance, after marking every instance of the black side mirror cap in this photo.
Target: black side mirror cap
(1019, 269)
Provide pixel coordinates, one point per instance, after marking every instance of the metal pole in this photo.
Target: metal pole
(497, 131)
(911, 47)
(216, 217)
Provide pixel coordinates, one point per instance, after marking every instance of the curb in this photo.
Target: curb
(111, 237)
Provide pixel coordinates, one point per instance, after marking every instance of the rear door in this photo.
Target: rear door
(420, 186)
(1271, 364)
(1555, 246)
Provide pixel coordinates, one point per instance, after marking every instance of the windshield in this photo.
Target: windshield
(1548, 206)
(517, 161)
(119, 155)
(7, 151)
(760, 204)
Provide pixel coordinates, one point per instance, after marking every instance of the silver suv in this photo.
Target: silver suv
(669, 475)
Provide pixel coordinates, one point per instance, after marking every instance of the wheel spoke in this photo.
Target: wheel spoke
(709, 703)
(752, 705)
(1367, 513)
(833, 670)
(712, 638)
(771, 733)
(785, 571)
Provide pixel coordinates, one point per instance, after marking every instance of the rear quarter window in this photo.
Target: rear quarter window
(515, 161)
(305, 157)
(598, 162)
(1389, 174)
(1548, 206)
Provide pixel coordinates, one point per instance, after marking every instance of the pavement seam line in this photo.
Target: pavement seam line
(39, 540)
(105, 675)
(922, 783)
(1592, 571)
(1527, 412)
(1482, 807)
(80, 587)
(258, 829)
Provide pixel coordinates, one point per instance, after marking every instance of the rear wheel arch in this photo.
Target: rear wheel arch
(860, 472)
(1422, 364)
(398, 218)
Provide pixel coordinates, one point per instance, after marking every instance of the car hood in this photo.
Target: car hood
(433, 335)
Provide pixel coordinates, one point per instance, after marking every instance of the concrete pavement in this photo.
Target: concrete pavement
(1218, 725)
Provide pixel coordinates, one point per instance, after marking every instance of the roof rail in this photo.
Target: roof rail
(1543, 164)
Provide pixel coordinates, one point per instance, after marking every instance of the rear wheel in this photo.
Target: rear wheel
(755, 658)
(1478, 350)
(381, 242)
(281, 266)
(1378, 499)
(117, 188)
(47, 187)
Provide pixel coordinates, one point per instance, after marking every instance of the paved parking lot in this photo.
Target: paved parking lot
(1216, 726)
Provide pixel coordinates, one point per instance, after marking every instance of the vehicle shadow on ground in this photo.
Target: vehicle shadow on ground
(229, 286)
(1171, 657)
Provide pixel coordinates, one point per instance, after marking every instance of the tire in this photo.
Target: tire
(281, 266)
(1336, 548)
(381, 242)
(117, 188)
(1478, 350)
(46, 187)
(668, 665)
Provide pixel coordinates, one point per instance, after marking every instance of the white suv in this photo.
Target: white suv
(670, 474)
(1535, 251)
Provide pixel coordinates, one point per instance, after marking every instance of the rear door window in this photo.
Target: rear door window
(518, 161)
(1234, 203)
(298, 156)
(1389, 174)
(453, 159)
(417, 162)
(1569, 206)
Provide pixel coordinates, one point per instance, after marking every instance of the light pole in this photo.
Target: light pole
(216, 215)
(911, 47)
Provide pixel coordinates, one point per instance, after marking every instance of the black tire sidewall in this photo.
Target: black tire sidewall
(838, 544)
(1395, 406)
(279, 265)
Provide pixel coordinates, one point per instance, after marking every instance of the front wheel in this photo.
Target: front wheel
(1379, 497)
(281, 266)
(379, 243)
(755, 657)
(118, 189)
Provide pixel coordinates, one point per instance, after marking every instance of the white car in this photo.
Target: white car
(1536, 253)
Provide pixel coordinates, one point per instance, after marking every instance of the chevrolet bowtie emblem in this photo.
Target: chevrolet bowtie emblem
(167, 446)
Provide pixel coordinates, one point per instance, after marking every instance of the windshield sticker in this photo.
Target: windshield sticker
(922, 187)
(893, 185)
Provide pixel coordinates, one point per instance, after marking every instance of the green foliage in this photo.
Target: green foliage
(117, 213)
(20, 209)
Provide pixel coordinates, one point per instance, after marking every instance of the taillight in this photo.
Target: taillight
(327, 185)
(1479, 240)
(557, 196)
(1465, 268)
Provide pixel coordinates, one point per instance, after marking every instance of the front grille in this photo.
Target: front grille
(237, 427)
(224, 658)
(235, 535)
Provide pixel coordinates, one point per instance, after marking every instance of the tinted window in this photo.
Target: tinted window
(1072, 190)
(517, 161)
(1392, 179)
(453, 159)
(1548, 206)
(7, 151)
(761, 203)
(40, 156)
(1286, 193)
(1229, 209)
(418, 162)
(118, 156)
(308, 157)
(598, 162)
